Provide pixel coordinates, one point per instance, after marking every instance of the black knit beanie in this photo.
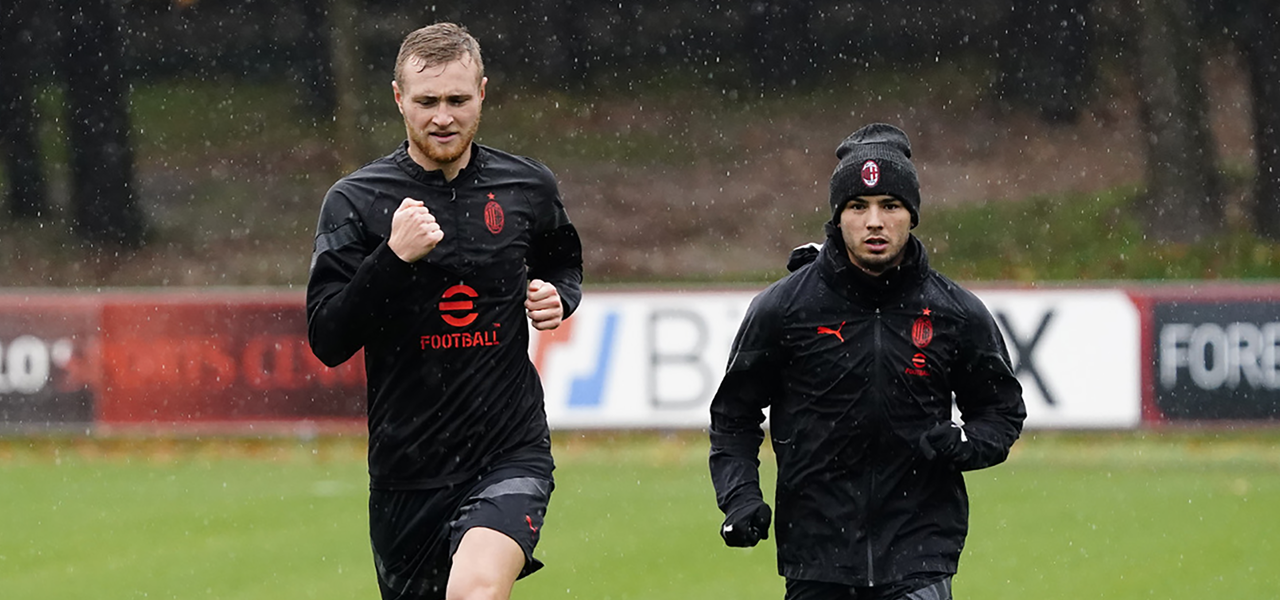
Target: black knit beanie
(875, 160)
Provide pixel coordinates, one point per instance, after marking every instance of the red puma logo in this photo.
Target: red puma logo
(835, 332)
(529, 520)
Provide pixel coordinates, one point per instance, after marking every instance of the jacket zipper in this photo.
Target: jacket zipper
(877, 376)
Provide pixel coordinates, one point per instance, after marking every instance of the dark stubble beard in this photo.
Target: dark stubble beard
(876, 264)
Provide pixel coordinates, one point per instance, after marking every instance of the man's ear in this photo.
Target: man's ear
(395, 91)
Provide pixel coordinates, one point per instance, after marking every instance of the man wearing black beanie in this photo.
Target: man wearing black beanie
(857, 354)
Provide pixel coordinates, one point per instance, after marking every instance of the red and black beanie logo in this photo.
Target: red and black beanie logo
(870, 173)
(494, 218)
(922, 330)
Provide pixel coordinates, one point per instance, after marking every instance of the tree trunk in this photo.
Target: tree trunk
(1182, 201)
(312, 71)
(344, 43)
(780, 46)
(1262, 52)
(1044, 58)
(557, 45)
(19, 131)
(103, 206)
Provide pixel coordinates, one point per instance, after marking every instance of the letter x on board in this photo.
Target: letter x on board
(1025, 350)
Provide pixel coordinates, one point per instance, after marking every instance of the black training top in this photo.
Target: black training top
(451, 387)
(854, 369)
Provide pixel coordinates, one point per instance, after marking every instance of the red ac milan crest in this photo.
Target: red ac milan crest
(922, 332)
(870, 173)
(494, 219)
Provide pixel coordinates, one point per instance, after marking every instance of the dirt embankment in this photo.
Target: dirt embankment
(752, 189)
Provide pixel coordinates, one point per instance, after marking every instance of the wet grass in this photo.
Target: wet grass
(1167, 514)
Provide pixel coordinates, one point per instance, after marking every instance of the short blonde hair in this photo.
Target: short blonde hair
(436, 45)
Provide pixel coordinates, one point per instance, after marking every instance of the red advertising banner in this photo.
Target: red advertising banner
(132, 359)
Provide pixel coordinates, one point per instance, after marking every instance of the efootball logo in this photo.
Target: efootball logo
(870, 173)
(457, 306)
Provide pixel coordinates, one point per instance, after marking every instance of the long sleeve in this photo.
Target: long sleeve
(354, 278)
(555, 252)
(987, 393)
(557, 258)
(749, 386)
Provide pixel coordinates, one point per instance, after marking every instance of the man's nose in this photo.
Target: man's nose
(442, 116)
(874, 220)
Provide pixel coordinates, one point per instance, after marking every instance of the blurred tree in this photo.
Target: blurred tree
(103, 206)
(1259, 29)
(19, 130)
(557, 45)
(1044, 58)
(344, 44)
(779, 45)
(313, 69)
(1182, 198)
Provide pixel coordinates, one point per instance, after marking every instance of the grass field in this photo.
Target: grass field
(1164, 515)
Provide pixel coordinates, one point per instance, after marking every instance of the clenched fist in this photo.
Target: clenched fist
(414, 231)
(542, 304)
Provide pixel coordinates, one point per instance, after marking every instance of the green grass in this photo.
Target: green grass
(1102, 515)
(1127, 516)
(153, 524)
(1082, 237)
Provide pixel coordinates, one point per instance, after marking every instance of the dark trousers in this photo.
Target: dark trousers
(924, 587)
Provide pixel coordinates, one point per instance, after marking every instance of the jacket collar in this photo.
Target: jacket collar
(859, 286)
(436, 177)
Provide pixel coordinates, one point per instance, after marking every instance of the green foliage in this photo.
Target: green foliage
(1081, 237)
(231, 175)
(1168, 515)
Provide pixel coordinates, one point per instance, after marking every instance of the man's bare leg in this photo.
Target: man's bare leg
(485, 566)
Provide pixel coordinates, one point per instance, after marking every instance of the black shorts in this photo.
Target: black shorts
(415, 533)
(926, 586)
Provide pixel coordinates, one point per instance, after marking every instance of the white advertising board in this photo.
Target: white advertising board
(636, 360)
(1076, 353)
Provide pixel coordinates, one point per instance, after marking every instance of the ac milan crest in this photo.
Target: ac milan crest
(922, 331)
(870, 173)
(494, 219)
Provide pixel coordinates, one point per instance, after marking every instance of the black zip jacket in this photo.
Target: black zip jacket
(451, 387)
(854, 369)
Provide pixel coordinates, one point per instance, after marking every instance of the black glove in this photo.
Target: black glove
(947, 440)
(746, 525)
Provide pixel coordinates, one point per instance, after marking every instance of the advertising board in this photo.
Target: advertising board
(655, 359)
(1215, 358)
